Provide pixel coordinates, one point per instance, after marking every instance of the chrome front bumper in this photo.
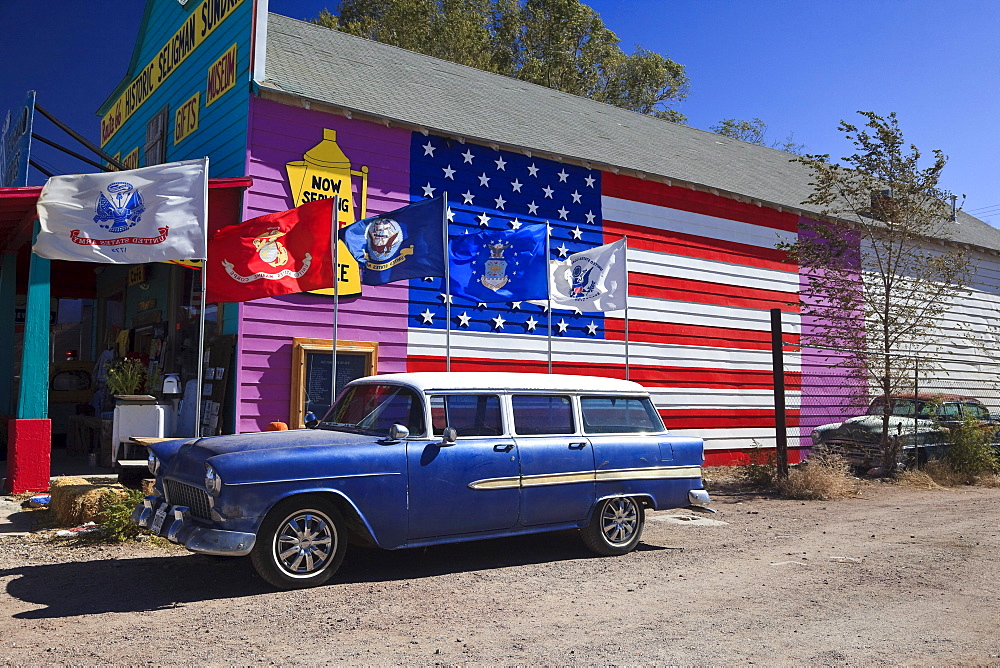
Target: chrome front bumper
(175, 524)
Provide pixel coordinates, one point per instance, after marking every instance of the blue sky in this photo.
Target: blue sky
(801, 66)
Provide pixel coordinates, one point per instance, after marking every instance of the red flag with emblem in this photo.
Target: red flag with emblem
(272, 255)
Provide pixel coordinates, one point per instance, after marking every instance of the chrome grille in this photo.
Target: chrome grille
(195, 498)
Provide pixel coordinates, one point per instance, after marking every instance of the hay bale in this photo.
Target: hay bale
(76, 501)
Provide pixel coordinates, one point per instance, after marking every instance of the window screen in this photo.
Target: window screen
(468, 414)
(619, 415)
(542, 414)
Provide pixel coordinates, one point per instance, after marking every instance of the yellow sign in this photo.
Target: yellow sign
(323, 173)
(131, 161)
(195, 30)
(136, 274)
(348, 275)
(186, 119)
(221, 76)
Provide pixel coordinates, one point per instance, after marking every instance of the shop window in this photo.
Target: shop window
(312, 378)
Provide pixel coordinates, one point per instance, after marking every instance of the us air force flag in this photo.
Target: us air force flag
(500, 265)
(405, 243)
(131, 217)
(592, 280)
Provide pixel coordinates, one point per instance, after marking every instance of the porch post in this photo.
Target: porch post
(8, 288)
(29, 443)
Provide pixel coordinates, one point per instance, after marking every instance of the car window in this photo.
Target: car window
(536, 414)
(468, 414)
(948, 410)
(619, 415)
(975, 411)
(375, 408)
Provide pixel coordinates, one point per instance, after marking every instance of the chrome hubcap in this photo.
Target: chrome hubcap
(305, 543)
(619, 520)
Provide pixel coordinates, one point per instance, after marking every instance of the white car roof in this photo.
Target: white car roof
(462, 380)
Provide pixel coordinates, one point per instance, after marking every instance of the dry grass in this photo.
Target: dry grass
(943, 474)
(916, 479)
(820, 479)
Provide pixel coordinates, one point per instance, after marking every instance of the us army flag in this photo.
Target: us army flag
(130, 217)
(591, 280)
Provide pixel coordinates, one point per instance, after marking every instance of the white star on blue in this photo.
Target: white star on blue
(503, 190)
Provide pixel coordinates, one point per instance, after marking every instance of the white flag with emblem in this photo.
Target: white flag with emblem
(591, 280)
(130, 217)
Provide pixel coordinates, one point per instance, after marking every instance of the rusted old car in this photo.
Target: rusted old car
(921, 422)
(415, 459)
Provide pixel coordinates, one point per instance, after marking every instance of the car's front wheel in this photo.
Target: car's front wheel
(301, 543)
(615, 527)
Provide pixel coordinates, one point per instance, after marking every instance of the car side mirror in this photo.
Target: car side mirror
(398, 432)
(448, 436)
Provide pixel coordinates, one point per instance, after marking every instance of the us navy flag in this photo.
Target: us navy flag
(500, 265)
(405, 243)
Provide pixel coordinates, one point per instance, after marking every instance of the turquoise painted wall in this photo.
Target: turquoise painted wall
(216, 25)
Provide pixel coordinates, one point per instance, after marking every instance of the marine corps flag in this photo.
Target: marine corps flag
(276, 254)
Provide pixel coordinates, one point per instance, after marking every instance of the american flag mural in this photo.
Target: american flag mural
(703, 274)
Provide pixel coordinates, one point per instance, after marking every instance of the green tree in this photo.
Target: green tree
(561, 44)
(878, 276)
(753, 131)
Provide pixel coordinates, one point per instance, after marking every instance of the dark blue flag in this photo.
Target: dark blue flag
(405, 243)
(500, 265)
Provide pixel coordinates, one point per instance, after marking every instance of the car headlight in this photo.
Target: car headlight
(153, 462)
(213, 481)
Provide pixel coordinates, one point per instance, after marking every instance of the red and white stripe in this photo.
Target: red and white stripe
(704, 273)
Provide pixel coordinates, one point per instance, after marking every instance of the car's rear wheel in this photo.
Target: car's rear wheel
(615, 527)
(301, 543)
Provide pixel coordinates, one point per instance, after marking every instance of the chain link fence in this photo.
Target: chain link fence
(830, 391)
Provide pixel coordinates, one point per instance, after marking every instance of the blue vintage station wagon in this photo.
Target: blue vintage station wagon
(414, 459)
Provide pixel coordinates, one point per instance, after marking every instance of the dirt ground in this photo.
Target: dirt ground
(895, 576)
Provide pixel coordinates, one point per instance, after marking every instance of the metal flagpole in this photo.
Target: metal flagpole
(335, 252)
(626, 307)
(548, 288)
(447, 286)
(201, 317)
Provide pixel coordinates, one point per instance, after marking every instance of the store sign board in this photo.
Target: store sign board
(200, 24)
(15, 144)
(221, 76)
(186, 118)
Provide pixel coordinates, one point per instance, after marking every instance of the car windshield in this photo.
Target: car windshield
(374, 408)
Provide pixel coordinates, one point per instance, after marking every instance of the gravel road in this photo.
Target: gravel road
(896, 576)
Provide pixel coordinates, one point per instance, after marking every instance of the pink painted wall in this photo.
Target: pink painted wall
(280, 134)
(827, 388)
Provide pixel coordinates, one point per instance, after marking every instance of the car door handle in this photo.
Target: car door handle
(577, 446)
(503, 447)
